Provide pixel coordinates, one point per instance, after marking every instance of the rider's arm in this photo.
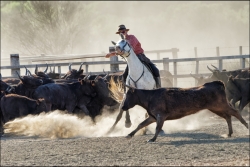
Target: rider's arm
(110, 54)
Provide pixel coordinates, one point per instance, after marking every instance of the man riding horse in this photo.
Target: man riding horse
(136, 45)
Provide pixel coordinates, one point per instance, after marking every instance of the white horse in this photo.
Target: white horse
(139, 76)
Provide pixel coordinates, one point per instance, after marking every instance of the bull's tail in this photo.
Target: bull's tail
(116, 89)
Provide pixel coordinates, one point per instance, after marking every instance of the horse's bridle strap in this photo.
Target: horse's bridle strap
(138, 78)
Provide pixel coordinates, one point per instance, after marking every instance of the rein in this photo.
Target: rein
(127, 63)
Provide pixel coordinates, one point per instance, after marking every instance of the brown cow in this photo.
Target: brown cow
(174, 103)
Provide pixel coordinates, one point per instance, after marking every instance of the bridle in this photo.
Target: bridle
(122, 50)
(137, 79)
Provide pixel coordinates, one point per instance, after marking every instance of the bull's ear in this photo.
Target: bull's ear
(92, 83)
(113, 43)
(82, 81)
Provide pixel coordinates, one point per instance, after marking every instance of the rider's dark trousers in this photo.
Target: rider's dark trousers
(143, 58)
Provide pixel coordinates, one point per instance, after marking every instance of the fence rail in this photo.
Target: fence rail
(166, 64)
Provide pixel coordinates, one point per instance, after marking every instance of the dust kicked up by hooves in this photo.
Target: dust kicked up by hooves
(58, 124)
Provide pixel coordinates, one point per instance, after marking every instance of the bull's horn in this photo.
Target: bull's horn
(193, 75)
(19, 76)
(36, 69)
(113, 43)
(8, 89)
(86, 76)
(45, 71)
(30, 73)
(210, 69)
(104, 71)
(26, 73)
(89, 76)
(214, 67)
(96, 78)
(54, 69)
(80, 67)
(63, 77)
(106, 76)
(70, 67)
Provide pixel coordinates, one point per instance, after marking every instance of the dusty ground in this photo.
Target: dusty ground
(205, 146)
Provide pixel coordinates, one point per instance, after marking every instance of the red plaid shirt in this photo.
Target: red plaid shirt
(136, 45)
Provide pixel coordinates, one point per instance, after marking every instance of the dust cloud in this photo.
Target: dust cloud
(59, 124)
(157, 25)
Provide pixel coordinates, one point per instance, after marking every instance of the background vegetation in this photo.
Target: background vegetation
(77, 27)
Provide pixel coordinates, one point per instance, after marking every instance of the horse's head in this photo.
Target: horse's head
(122, 47)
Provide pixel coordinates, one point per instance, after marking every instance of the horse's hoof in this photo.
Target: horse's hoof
(246, 125)
(128, 124)
(144, 132)
(110, 130)
(225, 135)
(162, 133)
(150, 141)
(128, 137)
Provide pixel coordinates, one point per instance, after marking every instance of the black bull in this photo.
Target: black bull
(174, 103)
(67, 96)
(14, 106)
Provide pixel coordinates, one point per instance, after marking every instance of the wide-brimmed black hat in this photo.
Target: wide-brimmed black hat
(121, 27)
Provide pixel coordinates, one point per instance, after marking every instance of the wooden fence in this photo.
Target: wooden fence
(165, 61)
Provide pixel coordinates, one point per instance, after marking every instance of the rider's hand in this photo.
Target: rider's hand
(110, 54)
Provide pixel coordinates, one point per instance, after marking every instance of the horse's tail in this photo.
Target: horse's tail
(116, 89)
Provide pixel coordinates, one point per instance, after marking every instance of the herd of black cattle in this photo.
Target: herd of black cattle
(88, 94)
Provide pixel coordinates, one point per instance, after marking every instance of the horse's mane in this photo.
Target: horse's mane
(116, 89)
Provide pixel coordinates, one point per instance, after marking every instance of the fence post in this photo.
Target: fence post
(220, 64)
(86, 68)
(103, 59)
(197, 62)
(165, 64)
(174, 53)
(14, 61)
(59, 71)
(113, 67)
(197, 67)
(175, 74)
(195, 51)
(242, 61)
(219, 61)
(158, 56)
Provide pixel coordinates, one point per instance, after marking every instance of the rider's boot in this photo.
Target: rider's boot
(158, 82)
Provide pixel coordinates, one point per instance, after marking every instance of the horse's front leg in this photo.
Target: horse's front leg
(128, 121)
(119, 116)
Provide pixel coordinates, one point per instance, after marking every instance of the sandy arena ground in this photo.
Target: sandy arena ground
(201, 145)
